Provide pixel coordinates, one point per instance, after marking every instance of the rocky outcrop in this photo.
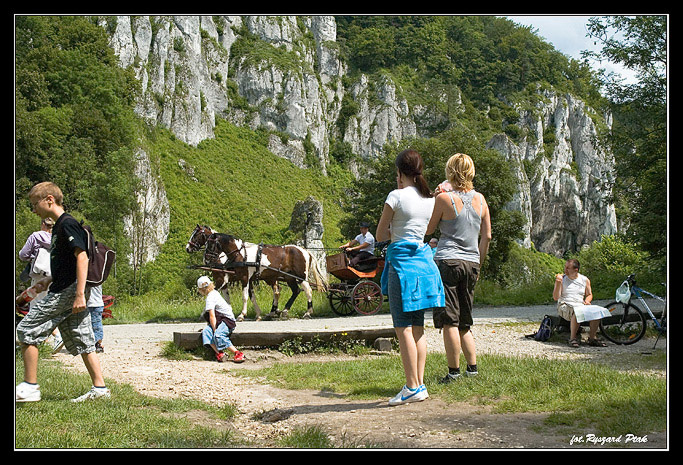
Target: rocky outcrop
(307, 223)
(565, 177)
(148, 228)
(381, 117)
(284, 74)
(190, 75)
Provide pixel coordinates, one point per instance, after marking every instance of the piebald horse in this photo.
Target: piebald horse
(269, 263)
(221, 279)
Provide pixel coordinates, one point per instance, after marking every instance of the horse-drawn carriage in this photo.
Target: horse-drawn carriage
(357, 291)
(233, 260)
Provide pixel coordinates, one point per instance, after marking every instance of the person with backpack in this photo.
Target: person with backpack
(64, 306)
(572, 289)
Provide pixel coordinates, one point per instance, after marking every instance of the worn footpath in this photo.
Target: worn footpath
(133, 356)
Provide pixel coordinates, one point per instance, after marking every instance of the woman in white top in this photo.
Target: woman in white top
(572, 289)
(410, 277)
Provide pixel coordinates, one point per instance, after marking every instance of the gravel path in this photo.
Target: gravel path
(133, 356)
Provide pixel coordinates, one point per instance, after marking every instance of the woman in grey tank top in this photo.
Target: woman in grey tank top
(462, 216)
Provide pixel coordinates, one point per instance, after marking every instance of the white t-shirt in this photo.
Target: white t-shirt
(411, 214)
(216, 302)
(369, 238)
(95, 299)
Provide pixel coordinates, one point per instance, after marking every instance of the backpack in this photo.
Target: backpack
(544, 331)
(100, 259)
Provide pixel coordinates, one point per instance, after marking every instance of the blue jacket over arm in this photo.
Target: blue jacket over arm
(421, 286)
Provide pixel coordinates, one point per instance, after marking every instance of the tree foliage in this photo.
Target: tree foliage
(639, 135)
(74, 119)
(485, 56)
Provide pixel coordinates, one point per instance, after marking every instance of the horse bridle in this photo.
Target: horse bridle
(212, 256)
(201, 230)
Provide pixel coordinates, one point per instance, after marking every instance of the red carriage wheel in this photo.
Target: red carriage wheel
(367, 297)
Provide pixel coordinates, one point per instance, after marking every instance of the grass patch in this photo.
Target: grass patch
(128, 420)
(310, 437)
(574, 393)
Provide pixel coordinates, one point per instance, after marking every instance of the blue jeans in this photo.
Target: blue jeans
(221, 338)
(96, 318)
(400, 318)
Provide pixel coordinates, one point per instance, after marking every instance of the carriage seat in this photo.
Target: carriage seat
(368, 264)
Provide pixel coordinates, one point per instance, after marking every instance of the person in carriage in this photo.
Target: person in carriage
(362, 247)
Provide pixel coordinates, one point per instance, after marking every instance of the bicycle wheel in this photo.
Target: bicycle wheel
(626, 324)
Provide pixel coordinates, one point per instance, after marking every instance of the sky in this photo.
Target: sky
(568, 35)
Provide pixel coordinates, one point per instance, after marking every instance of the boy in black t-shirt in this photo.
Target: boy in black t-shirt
(65, 303)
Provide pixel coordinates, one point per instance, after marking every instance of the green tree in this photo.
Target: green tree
(639, 134)
(74, 121)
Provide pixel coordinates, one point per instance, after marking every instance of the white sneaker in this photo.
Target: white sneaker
(94, 393)
(27, 392)
(407, 395)
(57, 344)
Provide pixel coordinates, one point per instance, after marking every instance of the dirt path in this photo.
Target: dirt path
(133, 356)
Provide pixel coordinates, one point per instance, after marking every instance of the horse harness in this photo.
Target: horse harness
(211, 257)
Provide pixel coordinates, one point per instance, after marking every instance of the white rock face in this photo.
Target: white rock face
(375, 124)
(148, 228)
(563, 194)
(183, 63)
(191, 74)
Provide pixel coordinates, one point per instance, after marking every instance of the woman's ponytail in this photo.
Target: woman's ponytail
(410, 163)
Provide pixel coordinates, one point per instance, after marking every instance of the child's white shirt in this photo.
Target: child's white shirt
(216, 302)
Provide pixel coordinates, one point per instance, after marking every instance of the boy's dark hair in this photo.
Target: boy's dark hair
(574, 263)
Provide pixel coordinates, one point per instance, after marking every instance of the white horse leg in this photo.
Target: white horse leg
(245, 300)
(309, 297)
(257, 309)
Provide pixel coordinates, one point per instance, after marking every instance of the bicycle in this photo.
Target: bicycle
(627, 323)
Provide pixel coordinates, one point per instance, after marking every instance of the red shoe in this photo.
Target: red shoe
(220, 356)
(239, 357)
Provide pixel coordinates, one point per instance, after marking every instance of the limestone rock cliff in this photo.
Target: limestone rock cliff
(565, 176)
(284, 73)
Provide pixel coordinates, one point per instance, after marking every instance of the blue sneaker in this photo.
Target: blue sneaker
(407, 395)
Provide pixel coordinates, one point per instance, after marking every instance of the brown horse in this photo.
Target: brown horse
(270, 263)
(221, 279)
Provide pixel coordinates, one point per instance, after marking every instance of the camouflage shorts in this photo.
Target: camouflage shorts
(55, 310)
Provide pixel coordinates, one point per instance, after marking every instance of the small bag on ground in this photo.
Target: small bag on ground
(544, 331)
